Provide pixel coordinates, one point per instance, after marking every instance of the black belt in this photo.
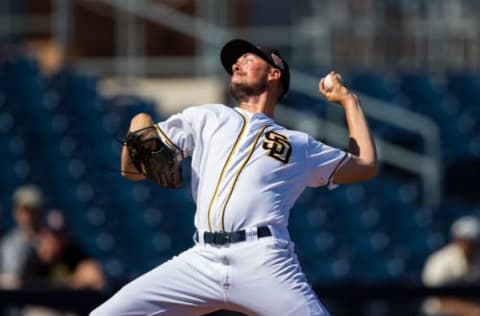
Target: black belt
(222, 238)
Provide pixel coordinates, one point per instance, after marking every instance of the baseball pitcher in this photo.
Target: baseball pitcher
(247, 172)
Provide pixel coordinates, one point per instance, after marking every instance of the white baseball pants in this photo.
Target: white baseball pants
(255, 277)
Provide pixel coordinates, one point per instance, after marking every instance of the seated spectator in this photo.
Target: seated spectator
(17, 244)
(457, 263)
(58, 261)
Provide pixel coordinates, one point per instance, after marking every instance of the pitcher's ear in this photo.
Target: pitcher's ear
(274, 73)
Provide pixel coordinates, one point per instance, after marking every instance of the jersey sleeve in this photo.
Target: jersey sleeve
(177, 131)
(323, 162)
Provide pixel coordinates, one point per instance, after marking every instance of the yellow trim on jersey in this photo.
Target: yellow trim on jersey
(222, 174)
(234, 182)
(167, 139)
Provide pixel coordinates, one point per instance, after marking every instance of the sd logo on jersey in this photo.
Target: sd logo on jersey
(277, 146)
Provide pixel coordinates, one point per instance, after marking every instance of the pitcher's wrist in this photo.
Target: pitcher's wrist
(349, 99)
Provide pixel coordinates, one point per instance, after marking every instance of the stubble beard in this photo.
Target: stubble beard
(242, 91)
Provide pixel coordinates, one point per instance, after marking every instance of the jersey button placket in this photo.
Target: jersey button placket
(243, 160)
(221, 181)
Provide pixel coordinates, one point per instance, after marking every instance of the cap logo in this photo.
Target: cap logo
(278, 61)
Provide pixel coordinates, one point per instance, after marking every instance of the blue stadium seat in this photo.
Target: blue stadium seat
(465, 86)
(302, 102)
(424, 94)
(374, 84)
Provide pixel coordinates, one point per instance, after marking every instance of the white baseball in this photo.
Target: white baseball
(328, 82)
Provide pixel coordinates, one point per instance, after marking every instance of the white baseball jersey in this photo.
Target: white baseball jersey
(247, 170)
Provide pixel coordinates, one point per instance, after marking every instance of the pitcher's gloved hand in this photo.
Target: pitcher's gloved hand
(153, 158)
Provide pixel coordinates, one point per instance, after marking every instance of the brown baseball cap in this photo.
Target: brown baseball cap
(235, 48)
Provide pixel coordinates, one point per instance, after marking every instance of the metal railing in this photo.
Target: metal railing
(427, 165)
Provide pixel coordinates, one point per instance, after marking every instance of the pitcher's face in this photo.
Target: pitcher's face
(249, 76)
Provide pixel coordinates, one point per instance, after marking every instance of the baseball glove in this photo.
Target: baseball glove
(153, 158)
